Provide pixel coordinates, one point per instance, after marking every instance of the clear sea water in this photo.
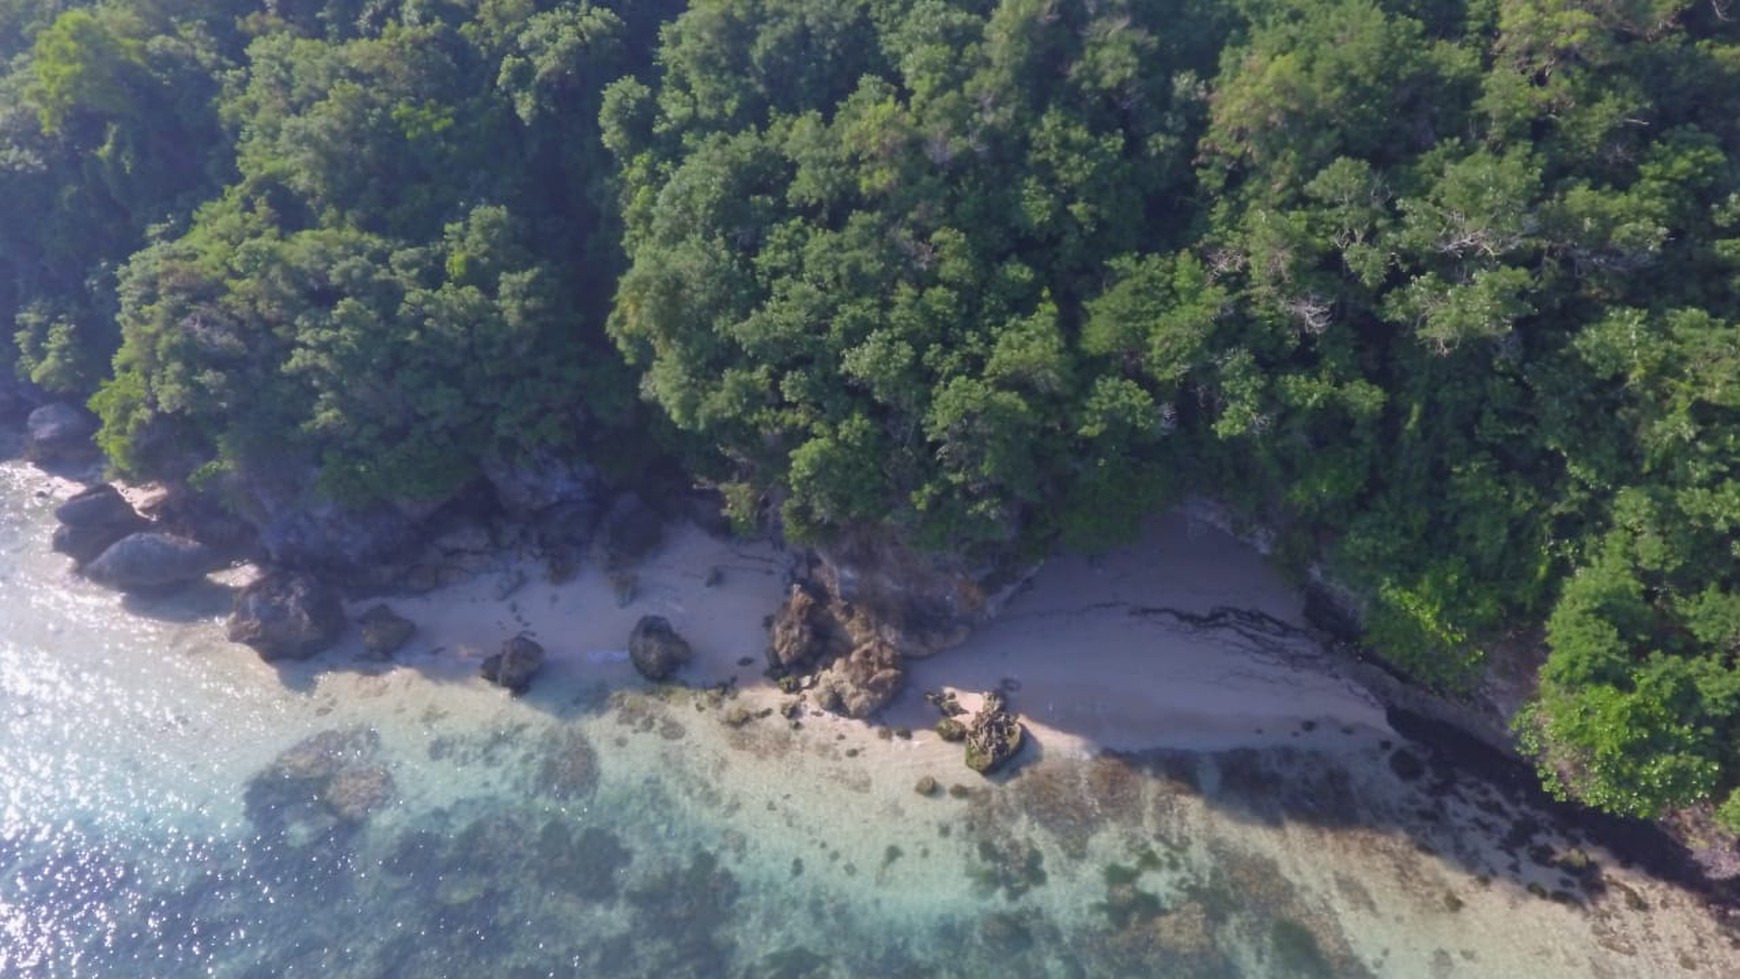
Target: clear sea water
(170, 806)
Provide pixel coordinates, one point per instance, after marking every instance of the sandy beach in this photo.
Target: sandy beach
(1185, 640)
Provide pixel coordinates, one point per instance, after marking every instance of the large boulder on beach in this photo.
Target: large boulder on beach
(150, 561)
(513, 666)
(655, 648)
(57, 432)
(861, 682)
(92, 521)
(285, 615)
(384, 631)
(994, 735)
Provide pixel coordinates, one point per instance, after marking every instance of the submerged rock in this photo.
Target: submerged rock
(285, 615)
(567, 765)
(586, 864)
(656, 649)
(513, 666)
(994, 736)
(320, 783)
(353, 793)
(92, 521)
(152, 561)
(385, 631)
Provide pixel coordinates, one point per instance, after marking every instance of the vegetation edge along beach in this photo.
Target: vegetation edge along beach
(1440, 296)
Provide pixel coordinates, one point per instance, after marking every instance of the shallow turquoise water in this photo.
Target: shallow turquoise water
(169, 806)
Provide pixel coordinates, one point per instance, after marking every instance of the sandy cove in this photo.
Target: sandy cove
(1185, 640)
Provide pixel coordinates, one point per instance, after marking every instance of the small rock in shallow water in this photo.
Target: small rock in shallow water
(926, 786)
(355, 792)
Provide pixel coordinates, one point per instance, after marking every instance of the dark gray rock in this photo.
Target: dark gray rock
(631, 531)
(532, 485)
(655, 648)
(285, 615)
(326, 535)
(17, 398)
(151, 561)
(58, 432)
(99, 504)
(385, 631)
(92, 521)
(513, 667)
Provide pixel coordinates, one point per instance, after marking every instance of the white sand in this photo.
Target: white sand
(1094, 664)
(1087, 668)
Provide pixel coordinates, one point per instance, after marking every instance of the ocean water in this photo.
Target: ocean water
(171, 806)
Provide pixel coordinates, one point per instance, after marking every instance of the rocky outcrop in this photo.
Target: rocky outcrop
(861, 682)
(334, 538)
(867, 602)
(92, 521)
(285, 615)
(918, 603)
(58, 432)
(18, 398)
(384, 631)
(531, 486)
(630, 531)
(655, 648)
(994, 735)
(804, 632)
(150, 561)
(513, 667)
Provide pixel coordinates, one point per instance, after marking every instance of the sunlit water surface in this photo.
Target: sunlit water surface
(170, 806)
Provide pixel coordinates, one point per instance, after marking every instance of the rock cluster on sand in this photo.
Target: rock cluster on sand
(655, 648)
(284, 615)
(384, 631)
(993, 736)
(865, 603)
(150, 560)
(512, 668)
(859, 683)
(93, 520)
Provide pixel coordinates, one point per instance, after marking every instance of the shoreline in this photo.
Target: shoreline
(1163, 631)
(1316, 811)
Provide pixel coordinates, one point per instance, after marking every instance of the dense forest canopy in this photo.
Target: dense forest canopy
(1449, 291)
